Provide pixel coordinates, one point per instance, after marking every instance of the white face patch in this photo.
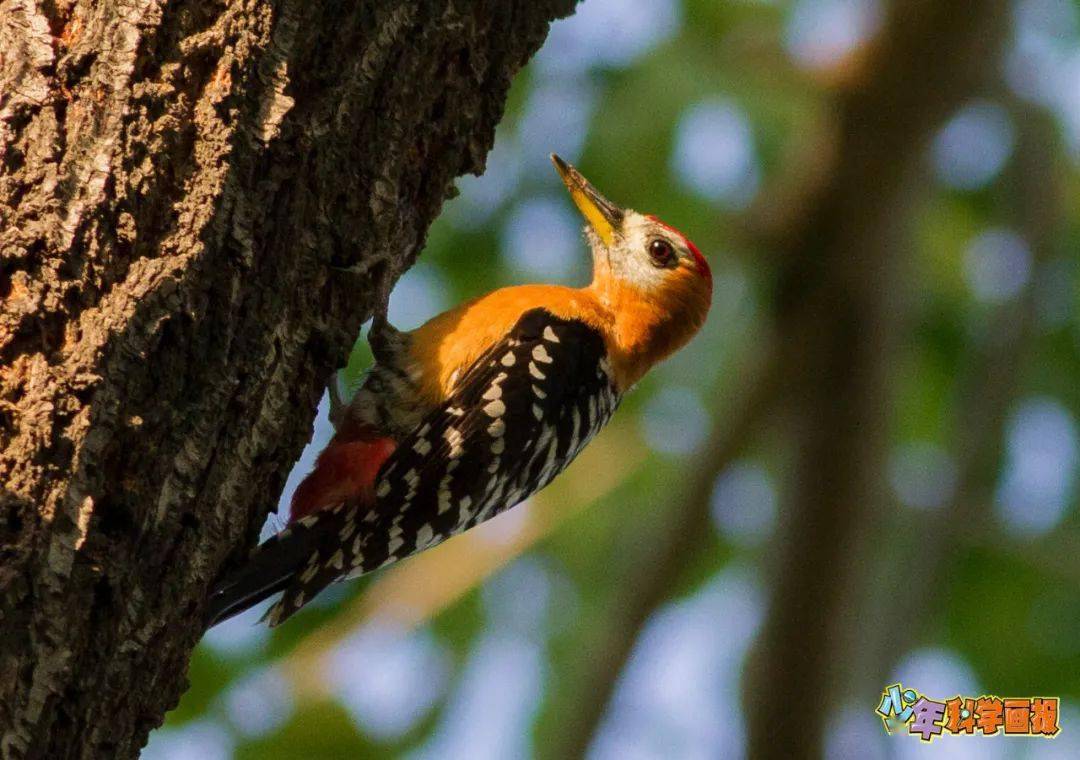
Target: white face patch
(629, 260)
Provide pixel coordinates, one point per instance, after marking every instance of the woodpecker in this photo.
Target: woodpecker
(480, 407)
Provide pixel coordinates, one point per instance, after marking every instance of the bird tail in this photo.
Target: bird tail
(344, 473)
(271, 568)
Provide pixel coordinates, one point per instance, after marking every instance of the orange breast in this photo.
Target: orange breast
(448, 345)
(638, 329)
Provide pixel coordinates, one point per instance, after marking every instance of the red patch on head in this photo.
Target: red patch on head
(699, 259)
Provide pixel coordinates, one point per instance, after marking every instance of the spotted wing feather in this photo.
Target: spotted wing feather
(517, 418)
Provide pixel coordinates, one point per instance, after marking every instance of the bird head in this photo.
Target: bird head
(648, 273)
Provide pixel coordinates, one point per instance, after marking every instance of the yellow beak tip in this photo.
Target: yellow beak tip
(599, 212)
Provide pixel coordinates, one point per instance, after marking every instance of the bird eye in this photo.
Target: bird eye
(661, 253)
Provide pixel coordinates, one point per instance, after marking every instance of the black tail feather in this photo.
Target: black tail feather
(270, 569)
(227, 602)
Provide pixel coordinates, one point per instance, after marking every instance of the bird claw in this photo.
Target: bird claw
(382, 335)
(382, 298)
(338, 403)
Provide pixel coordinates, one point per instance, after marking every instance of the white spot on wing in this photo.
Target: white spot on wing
(383, 489)
(538, 413)
(495, 409)
(576, 430)
(497, 428)
(539, 393)
(424, 536)
(454, 438)
(422, 446)
(550, 335)
(550, 465)
(311, 569)
(546, 434)
(535, 371)
(509, 359)
(541, 355)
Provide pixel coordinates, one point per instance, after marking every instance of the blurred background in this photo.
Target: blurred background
(863, 471)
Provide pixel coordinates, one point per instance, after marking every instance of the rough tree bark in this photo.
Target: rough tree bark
(181, 184)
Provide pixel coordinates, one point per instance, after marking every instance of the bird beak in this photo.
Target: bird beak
(602, 215)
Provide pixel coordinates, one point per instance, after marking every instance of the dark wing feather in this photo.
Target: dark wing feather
(517, 418)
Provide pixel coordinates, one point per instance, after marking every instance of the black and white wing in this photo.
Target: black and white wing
(517, 418)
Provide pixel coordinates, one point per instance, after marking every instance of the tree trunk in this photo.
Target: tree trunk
(840, 312)
(181, 185)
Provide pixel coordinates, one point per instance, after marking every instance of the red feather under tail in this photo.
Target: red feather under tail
(345, 469)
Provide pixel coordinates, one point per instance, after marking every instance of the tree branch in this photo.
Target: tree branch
(990, 382)
(839, 288)
(852, 250)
